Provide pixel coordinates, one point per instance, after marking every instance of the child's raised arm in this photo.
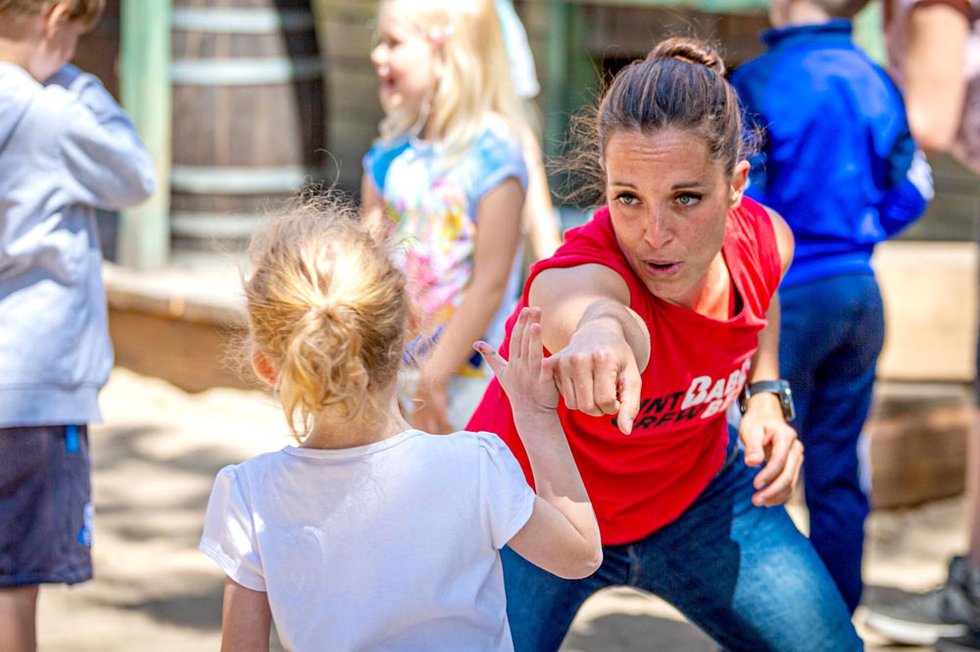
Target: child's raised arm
(562, 535)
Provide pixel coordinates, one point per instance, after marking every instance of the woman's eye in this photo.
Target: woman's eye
(627, 199)
(688, 199)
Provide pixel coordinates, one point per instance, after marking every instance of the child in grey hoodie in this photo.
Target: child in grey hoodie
(66, 148)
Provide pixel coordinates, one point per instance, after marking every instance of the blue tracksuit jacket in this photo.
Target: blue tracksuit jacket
(837, 159)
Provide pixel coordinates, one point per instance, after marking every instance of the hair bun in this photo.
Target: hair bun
(689, 50)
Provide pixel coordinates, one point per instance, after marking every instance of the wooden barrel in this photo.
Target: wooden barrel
(249, 124)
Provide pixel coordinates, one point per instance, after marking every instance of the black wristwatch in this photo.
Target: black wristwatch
(778, 387)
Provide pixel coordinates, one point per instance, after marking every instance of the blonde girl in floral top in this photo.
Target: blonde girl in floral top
(447, 175)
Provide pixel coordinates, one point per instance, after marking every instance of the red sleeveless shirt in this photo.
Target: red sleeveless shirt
(698, 365)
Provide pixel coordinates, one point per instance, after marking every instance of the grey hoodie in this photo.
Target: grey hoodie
(66, 148)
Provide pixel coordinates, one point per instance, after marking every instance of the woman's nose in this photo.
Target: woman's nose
(657, 231)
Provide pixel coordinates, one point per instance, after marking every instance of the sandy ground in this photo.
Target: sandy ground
(154, 463)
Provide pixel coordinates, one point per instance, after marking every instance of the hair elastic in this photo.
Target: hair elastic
(439, 35)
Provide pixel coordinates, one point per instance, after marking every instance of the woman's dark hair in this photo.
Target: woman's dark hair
(680, 85)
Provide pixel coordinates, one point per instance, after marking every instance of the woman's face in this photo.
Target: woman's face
(404, 60)
(668, 199)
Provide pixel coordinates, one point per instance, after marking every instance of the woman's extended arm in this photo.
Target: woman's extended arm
(245, 620)
(498, 235)
(600, 345)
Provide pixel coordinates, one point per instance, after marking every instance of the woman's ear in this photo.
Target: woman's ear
(739, 182)
(264, 369)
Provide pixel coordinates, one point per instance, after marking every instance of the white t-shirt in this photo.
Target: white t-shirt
(389, 546)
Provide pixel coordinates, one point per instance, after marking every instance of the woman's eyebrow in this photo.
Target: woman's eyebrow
(687, 184)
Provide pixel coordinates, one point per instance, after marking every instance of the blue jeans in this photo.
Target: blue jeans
(743, 574)
(831, 335)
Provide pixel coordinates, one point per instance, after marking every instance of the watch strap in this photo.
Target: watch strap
(779, 387)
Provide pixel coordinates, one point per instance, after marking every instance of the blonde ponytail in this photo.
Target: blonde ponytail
(327, 306)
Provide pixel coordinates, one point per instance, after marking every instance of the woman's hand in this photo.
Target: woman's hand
(597, 372)
(528, 378)
(431, 407)
(768, 438)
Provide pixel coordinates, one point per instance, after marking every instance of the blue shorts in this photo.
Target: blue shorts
(45, 506)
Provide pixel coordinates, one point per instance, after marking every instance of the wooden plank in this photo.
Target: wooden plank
(196, 356)
(930, 295)
(918, 442)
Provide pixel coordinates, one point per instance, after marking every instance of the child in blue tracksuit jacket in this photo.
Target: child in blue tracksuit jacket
(838, 162)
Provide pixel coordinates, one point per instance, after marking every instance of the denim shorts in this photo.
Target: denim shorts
(45, 505)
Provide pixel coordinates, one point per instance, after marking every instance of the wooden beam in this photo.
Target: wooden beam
(144, 80)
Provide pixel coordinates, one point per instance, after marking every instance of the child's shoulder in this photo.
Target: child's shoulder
(26, 104)
(496, 134)
(480, 443)
(496, 154)
(488, 445)
(18, 86)
(254, 466)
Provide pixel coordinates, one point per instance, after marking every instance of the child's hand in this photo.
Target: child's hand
(528, 379)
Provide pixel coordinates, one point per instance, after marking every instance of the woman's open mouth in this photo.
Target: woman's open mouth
(662, 268)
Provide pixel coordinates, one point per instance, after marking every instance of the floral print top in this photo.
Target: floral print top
(432, 203)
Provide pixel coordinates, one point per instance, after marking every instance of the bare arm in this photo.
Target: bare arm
(600, 345)
(935, 83)
(498, 234)
(764, 431)
(246, 619)
(765, 363)
(562, 534)
(372, 208)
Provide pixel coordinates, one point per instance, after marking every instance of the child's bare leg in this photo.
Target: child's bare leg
(18, 614)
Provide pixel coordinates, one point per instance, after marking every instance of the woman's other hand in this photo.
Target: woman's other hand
(768, 438)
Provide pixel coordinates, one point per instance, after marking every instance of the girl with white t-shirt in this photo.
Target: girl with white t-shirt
(371, 534)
